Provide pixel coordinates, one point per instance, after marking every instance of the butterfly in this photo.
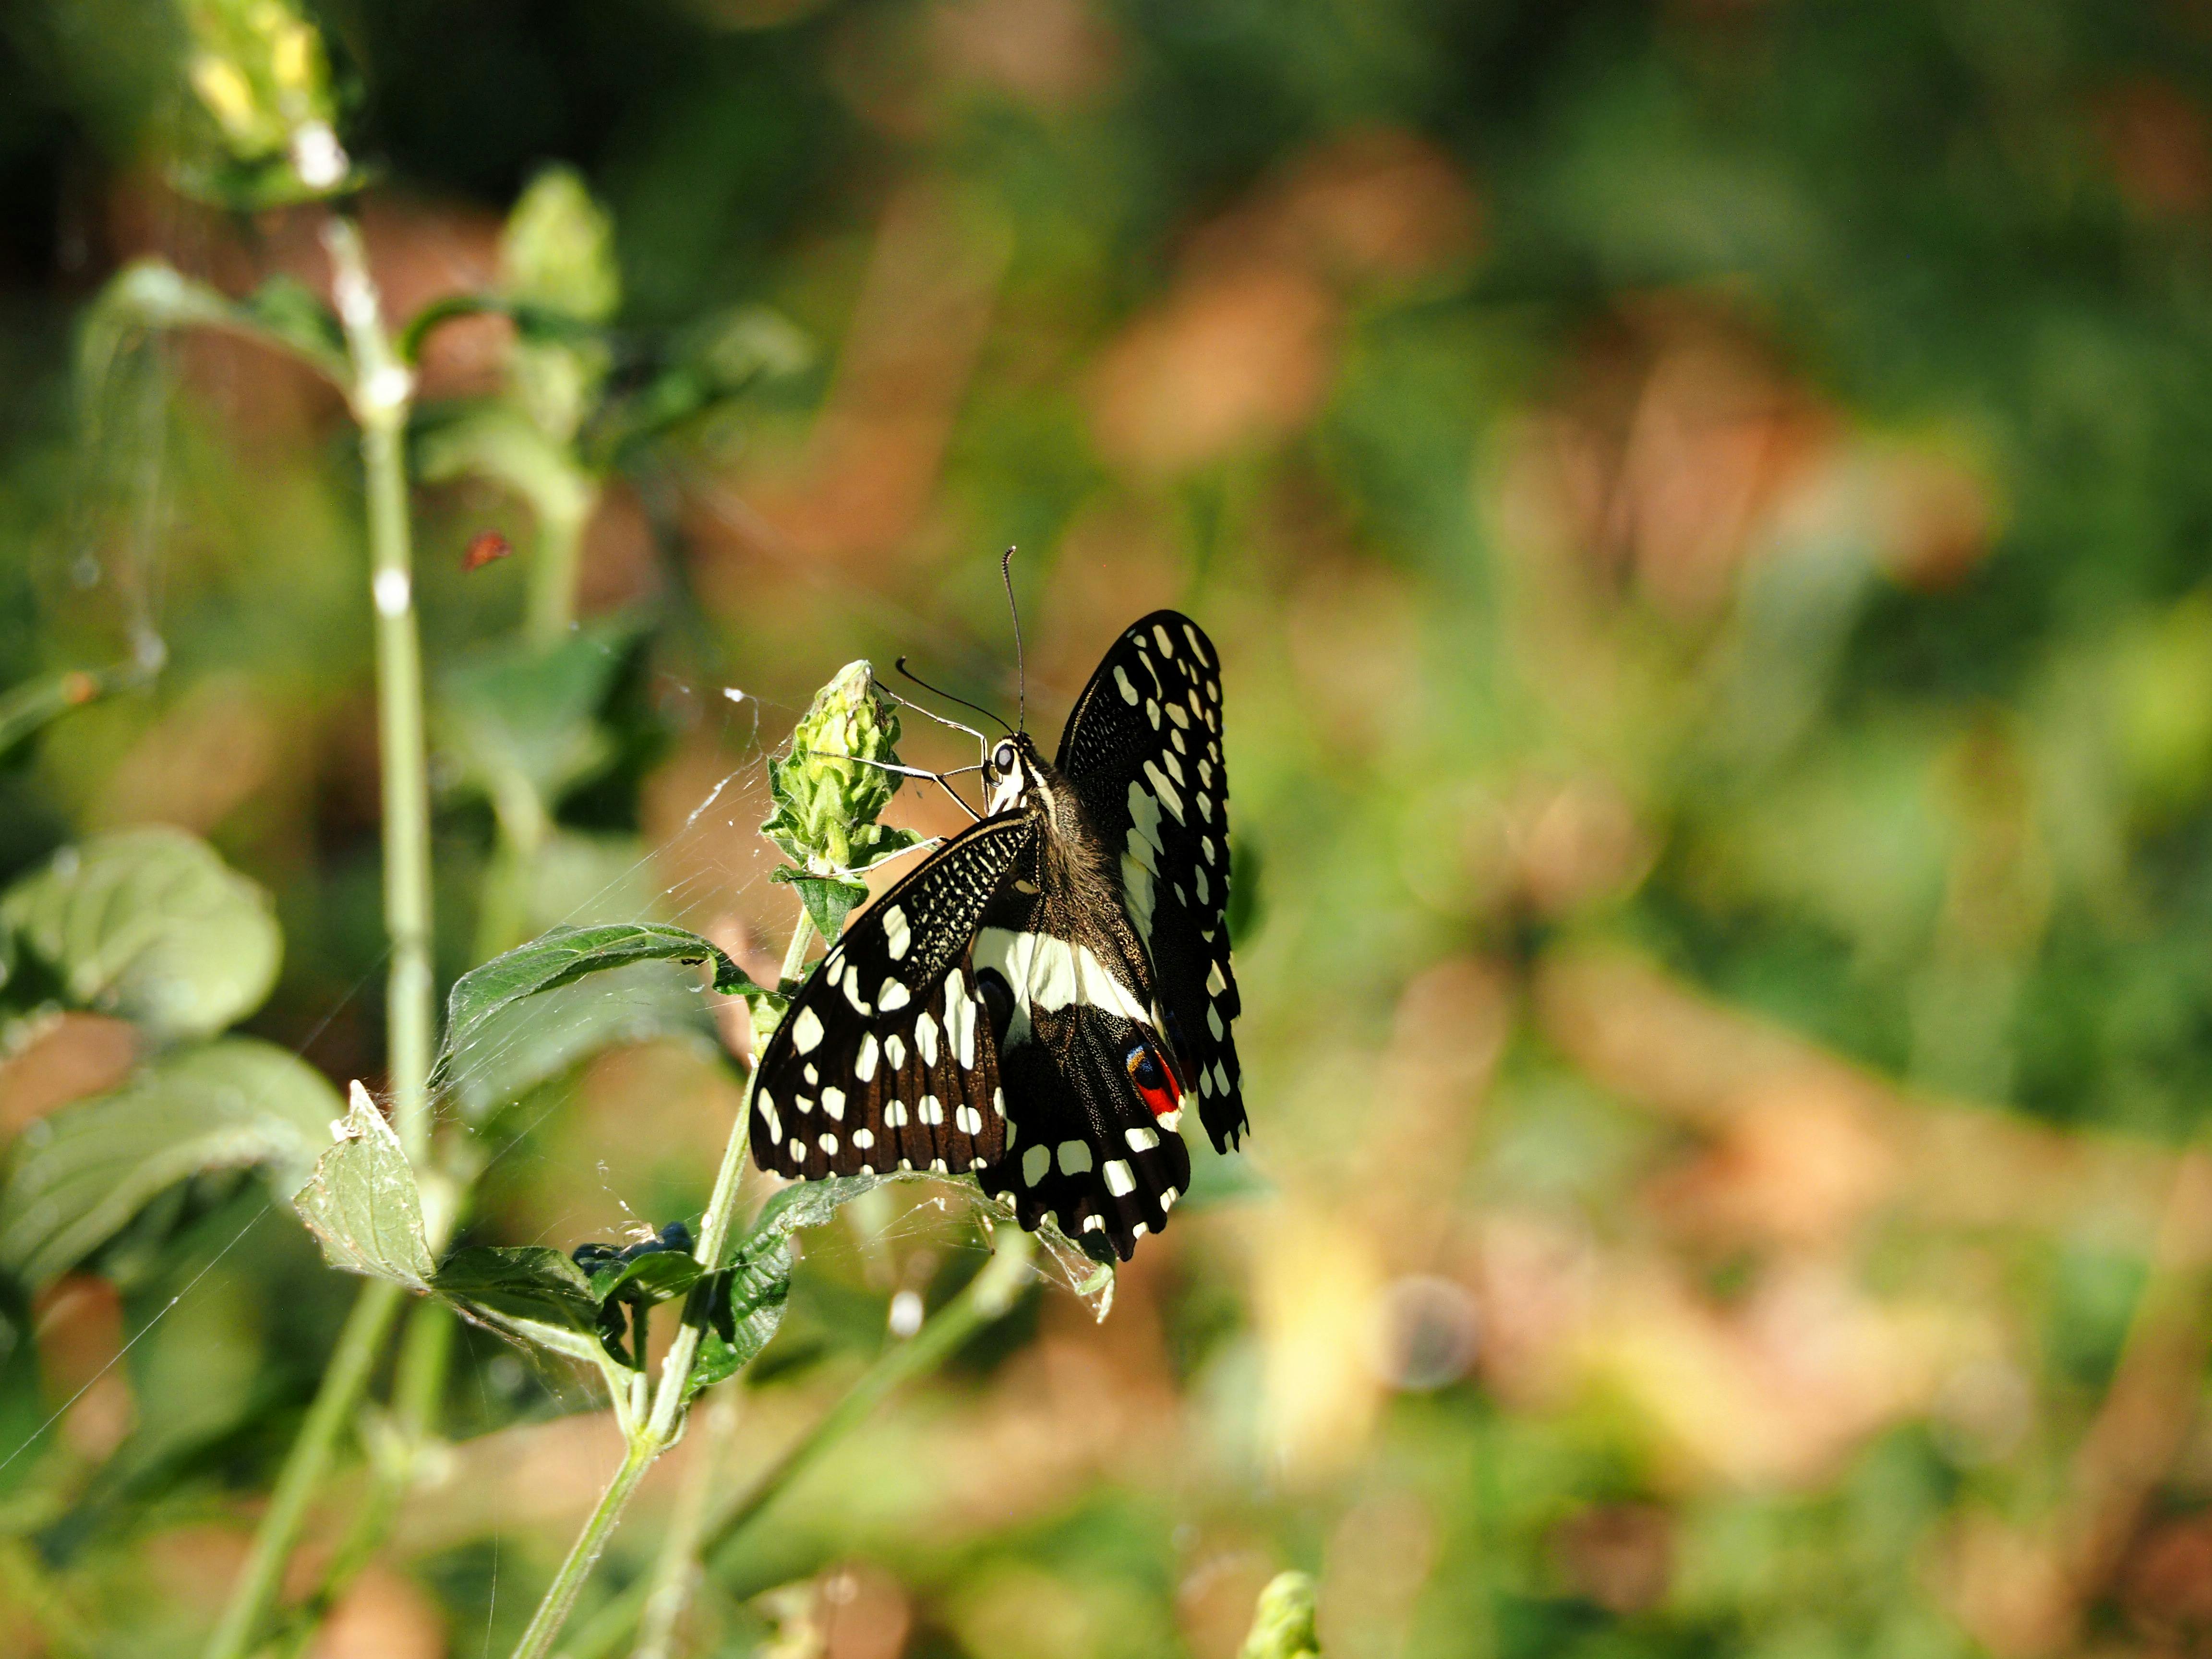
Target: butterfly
(1043, 998)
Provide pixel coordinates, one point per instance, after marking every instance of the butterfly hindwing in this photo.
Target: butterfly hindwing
(1082, 1147)
(1142, 751)
(885, 1058)
(1091, 1102)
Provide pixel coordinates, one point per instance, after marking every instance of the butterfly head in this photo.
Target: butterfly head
(1013, 772)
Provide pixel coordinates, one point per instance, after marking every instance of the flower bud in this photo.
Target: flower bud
(1283, 1621)
(826, 800)
(558, 259)
(262, 82)
(557, 252)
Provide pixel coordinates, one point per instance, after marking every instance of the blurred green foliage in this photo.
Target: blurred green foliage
(1703, 507)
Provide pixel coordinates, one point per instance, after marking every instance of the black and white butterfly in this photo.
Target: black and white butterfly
(1042, 1000)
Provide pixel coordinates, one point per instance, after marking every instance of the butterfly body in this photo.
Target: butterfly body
(1041, 1001)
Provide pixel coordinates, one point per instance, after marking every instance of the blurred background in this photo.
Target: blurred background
(1704, 508)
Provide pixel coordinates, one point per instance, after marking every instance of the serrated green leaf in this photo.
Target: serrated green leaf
(151, 925)
(738, 1311)
(79, 1175)
(564, 955)
(827, 900)
(362, 1203)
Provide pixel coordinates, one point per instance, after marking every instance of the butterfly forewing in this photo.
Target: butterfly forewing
(1142, 751)
(885, 1058)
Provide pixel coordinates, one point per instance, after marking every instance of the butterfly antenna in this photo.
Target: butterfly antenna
(949, 697)
(932, 714)
(940, 778)
(1021, 668)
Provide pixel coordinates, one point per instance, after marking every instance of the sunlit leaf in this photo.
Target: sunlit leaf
(737, 1310)
(564, 955)
(151, 925)
(79, 1175)
(532, 1042)
(362, 1203)
(153, 295)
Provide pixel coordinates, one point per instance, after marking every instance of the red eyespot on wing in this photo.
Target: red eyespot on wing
(1154, 1075)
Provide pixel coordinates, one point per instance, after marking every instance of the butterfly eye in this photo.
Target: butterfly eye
(1003, 760)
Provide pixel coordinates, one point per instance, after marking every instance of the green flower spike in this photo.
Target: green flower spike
(827, 799)
(1283, 1621)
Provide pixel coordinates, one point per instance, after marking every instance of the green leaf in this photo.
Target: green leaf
(493, 439)
(524, 717)
(532, 1041)
(654, 1277)
(738, 1311)
(522, 1282)
(294, 313)
(827, 900)
(563, 955)
(808, 1204)
(152, 294)
(362, 1203)
(149, 924)
(739, 1308)
(79, 1175)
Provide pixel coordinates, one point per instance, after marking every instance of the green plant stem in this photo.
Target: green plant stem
(676, 1569)
(987, 1297)
(305, 1465)
(380, 394)
(553, 574)
(648, 1439)
(379, 391)
(419, 1380)
(561, 1595)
